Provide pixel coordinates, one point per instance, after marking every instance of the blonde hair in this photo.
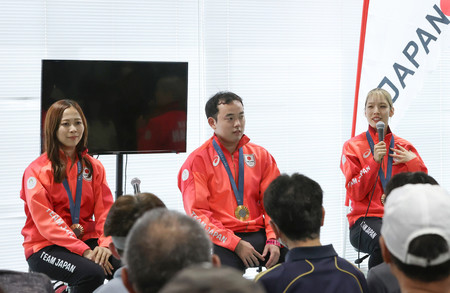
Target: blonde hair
(380, 93)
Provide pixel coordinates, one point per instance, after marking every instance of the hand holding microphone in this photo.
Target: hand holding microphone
(379, 150)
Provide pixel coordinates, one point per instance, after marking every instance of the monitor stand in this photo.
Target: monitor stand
(119, 175)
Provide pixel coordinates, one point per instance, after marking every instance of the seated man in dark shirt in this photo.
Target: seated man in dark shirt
(294, 204)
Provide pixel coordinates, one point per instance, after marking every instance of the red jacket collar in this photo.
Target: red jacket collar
(374, 133)
(244, 140)
(66, 158)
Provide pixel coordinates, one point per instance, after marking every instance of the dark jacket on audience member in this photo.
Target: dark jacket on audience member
(313, 269)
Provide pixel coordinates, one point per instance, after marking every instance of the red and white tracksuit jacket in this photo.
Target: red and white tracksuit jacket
(47, 206)
(209, 198)
(360, 171)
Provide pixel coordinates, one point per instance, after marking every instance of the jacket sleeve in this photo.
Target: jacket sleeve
(49, 224)
(359, 176)
(271, 172)
(103, 202)
(192, 182)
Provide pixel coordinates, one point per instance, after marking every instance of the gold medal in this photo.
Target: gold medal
(241, 213)
(78, 230)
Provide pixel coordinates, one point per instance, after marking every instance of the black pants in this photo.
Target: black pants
(364, 236)
(82, 274)
(257, 239)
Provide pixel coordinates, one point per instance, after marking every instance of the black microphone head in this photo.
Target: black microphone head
(361, 259)
(380, 125)
(135, 180)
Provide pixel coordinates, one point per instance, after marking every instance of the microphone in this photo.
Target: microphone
(361, 259)
(380, 129)
(135, 182)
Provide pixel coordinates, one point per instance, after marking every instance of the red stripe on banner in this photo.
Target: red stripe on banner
(362, 39)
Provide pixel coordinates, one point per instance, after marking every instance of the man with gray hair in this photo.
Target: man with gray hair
(415, 237)
(161, 243)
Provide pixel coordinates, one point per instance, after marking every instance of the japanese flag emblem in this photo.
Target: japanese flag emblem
(249, 160)
(87, 174)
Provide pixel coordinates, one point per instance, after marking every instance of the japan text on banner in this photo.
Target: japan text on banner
(402, 44)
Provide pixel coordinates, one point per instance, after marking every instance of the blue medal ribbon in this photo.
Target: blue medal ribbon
(75, 206)
(384, 180)
(238, 193)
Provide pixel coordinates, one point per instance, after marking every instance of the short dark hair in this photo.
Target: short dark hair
(428, 246)
(126, 210)
(404, 178)
(211, 109)
(207, 279)
(295, 205)
(161, 243)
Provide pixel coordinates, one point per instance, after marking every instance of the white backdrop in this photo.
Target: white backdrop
(406, 50)
(293, 63)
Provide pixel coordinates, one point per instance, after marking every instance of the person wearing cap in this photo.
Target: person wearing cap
(223, 183)
(368, 161)
(294, 204)
(415, 237)
(380, 278)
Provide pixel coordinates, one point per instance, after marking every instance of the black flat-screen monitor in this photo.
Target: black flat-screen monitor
(130, 106)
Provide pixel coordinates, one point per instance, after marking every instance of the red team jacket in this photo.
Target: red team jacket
(47, 206)
(360, 171)
(209, 198)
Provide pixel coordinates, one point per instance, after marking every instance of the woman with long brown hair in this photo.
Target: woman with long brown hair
(66, 202)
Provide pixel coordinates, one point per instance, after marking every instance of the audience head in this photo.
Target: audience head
(295, 199)
(205, 279)
(404, 178)
(415, 235)
(161, 243)
(211, 108)
(124, 213)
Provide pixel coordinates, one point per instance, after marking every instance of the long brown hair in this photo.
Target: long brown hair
(51, 143)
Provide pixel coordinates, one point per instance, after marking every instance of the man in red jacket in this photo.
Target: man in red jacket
(223, 183)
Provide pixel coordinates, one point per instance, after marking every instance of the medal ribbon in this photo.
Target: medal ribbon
(238, 193)
(75, 206)
(384, 180)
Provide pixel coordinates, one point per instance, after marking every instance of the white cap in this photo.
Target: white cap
(414, 210)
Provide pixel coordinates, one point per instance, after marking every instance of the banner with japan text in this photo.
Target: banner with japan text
(400, 44)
